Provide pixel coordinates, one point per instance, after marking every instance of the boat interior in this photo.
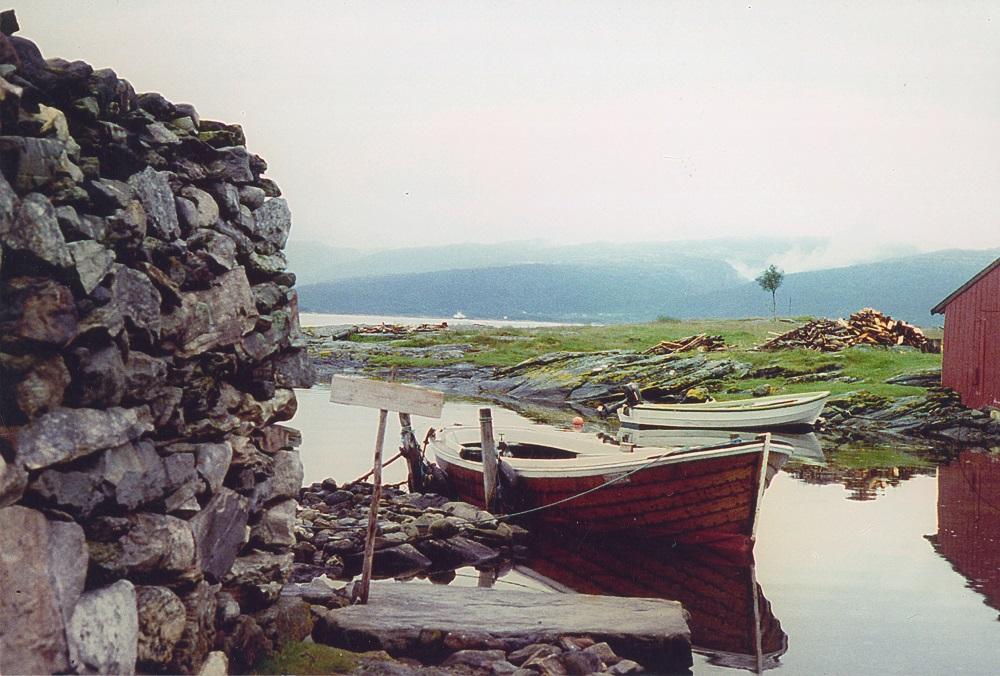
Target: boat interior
(527, 451)
(472, 451)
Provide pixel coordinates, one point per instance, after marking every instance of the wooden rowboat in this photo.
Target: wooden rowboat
(781, 411)
(568, 479)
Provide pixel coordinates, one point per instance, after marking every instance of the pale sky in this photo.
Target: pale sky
(390, 123)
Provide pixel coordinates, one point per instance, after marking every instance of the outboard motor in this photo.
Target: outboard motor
(633, 397)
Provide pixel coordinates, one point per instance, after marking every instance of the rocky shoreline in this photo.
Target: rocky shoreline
(429, 537)
(579, 381)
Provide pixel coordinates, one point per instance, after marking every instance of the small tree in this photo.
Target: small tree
(770, 280)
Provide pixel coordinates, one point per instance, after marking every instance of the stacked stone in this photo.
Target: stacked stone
(417, 534)
(149, 345)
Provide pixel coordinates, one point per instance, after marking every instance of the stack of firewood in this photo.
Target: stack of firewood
(702, 343)
(867, 327)
(875, 328)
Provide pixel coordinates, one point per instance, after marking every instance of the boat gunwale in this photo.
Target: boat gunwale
(615, 461)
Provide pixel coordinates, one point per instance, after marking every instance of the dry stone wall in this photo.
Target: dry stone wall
(149, 345)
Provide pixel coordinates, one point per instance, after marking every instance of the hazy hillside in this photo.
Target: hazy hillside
(607, 293)
(314, 262)
(643, 286)
(907, 288)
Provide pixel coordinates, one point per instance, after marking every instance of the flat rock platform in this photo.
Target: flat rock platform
(416, 619)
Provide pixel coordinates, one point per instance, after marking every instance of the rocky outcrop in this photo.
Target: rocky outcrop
(936, 416)
(593, 377)
(149, 344)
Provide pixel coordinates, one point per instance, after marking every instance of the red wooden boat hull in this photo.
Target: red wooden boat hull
(709, 499)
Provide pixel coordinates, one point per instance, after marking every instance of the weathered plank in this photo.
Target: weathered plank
(489, 454)
(361, 593)
(386, 396)
(401, 617)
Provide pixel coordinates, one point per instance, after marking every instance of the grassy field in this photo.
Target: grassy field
(508, 346)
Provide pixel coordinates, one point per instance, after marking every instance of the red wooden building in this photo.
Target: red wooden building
(971, 363)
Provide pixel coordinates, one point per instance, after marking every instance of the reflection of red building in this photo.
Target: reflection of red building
(969, 520)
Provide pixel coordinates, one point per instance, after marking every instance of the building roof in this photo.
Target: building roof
(939, 308)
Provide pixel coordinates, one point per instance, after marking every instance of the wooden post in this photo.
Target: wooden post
(366, 567)
(489, 453)
(385, 396)
(410, 450)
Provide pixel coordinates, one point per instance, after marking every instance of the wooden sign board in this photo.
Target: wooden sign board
(386, 396)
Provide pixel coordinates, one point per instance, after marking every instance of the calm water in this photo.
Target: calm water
(318, 319)
(880, 562)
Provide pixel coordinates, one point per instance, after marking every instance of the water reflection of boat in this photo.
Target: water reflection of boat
(969, 520)
(731, 621)
(703, 494)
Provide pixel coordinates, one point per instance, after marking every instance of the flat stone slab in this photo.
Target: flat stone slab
(408, 618)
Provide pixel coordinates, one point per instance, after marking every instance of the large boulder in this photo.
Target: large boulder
(13, 481)
(35, 231)
(276, 527)
(40, 311)
(41, 389)
(215, 317)
(162, 617)
(99, 376)
(153, 190)
(219, 532)
(147, 546)
(272, 221)
(198, 636)
(36, 162)
(91, 263)
(69, 433)
(258, 577)
(285, 482)
(104, 631)
(42, 570)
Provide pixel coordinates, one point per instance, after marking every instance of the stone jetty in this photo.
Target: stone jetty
(149, 345)
(411, 627)
(503, 629)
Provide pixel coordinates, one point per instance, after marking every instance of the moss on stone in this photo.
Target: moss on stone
(303, 657)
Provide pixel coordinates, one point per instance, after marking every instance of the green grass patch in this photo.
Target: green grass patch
(507, 346)
(403, 361)
(309, 658)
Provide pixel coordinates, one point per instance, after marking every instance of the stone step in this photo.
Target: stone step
(415, 619)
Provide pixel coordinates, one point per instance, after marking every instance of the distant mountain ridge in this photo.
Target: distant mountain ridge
(315, 262)
(619, 283)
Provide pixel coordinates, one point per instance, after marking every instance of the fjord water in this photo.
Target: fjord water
(882, 561)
